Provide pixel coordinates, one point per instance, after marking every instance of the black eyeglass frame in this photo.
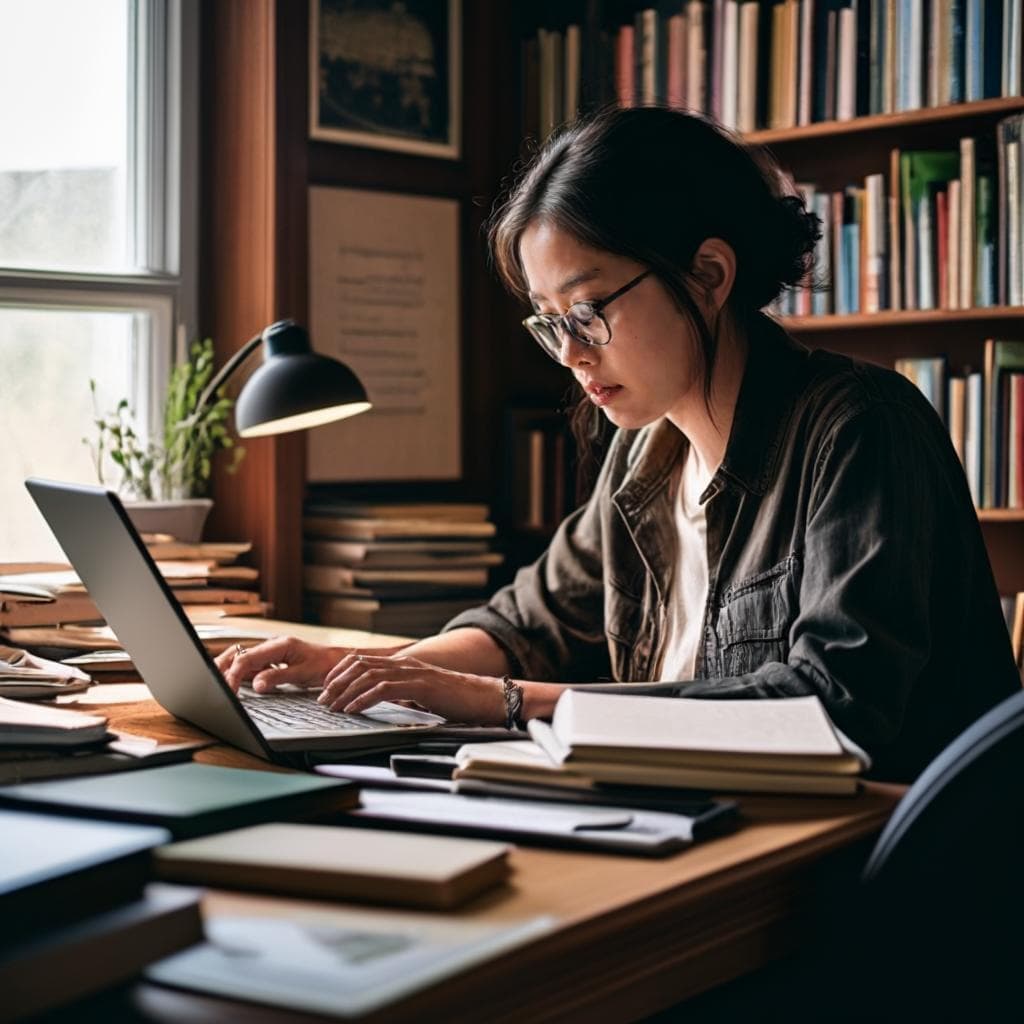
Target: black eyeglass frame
(552, 321)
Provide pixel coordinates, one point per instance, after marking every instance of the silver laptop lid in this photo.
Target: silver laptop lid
(106, 551)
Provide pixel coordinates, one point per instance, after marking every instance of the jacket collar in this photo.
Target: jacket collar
(771, 380)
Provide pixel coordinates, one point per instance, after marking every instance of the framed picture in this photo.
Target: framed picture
(386, 74)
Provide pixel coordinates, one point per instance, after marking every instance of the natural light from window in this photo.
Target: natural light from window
(64, 135)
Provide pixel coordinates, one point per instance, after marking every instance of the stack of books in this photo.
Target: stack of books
(604, 741)
(395, 567)
(779, 65)
(42, 600)
(39, 741)
(78, 914)
(942, 229)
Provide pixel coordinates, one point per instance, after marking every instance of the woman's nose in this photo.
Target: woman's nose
(572, 351)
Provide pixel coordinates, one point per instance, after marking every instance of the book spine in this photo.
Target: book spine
(1015, 489)
(625, 90)
(846, 85)
(572, 72)
(974, 436)
(967, 223)
(696, 56)
(676, 74)
(730, 70)
(746, 114)
(805, 103)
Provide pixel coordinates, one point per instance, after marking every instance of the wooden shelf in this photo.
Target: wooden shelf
(887, 122)
(1001, 515)
(900, 318)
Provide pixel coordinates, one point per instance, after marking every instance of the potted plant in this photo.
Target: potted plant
(166, 482)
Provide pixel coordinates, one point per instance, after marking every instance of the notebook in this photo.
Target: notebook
(188, 799)
(340, 863)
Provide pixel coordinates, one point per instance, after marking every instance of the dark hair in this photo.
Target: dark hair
(652, 184)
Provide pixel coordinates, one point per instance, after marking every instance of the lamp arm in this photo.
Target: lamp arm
(223, 374)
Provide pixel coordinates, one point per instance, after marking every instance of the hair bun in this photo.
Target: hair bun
(799, 230)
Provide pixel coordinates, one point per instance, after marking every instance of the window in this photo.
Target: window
(97, 265)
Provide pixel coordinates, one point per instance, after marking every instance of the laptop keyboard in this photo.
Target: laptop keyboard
(301, 714)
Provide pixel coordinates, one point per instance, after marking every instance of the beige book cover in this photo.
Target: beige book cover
(340, 863)
(791, 735)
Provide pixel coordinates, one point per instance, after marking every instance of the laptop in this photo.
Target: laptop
(112, 561)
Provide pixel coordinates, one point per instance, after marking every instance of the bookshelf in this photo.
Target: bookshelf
(832, 154)
(835, 153)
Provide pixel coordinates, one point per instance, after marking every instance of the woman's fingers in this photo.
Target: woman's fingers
(349, 678)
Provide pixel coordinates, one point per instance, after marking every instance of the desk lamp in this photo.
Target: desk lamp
(295, 388)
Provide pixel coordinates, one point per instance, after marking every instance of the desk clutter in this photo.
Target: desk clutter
(208, 578)
(310, 871)
(395, 567)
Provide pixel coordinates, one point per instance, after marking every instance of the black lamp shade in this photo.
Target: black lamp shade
(296, 388)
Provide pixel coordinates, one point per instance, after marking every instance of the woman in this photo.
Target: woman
(767, 522)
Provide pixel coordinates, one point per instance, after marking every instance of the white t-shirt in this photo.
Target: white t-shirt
(689, 587)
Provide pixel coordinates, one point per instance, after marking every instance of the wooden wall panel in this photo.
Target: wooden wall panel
(251, 211)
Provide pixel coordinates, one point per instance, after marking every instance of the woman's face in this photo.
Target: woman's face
(652, 367)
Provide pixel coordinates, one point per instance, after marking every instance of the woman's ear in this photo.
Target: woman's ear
(714, 267)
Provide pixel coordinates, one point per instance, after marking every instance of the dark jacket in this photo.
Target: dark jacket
(845, 560)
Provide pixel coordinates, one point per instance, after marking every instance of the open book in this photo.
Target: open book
(787, 745)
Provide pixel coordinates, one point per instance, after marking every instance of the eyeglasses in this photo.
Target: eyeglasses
(583, 321)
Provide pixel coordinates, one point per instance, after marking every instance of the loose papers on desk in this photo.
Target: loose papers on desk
(24, 675)
(338, 961)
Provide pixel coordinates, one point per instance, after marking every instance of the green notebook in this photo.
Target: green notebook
(188, 799)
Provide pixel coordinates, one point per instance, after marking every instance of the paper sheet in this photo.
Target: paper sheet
(384, 299)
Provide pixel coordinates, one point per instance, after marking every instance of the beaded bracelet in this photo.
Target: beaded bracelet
(513, 694)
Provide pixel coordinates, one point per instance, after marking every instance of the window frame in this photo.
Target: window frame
(163, 201)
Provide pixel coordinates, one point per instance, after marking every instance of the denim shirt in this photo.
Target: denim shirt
(844, 553)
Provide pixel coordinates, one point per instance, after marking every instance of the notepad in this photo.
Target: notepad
(23, 725)
(188, 799)
(340, 863)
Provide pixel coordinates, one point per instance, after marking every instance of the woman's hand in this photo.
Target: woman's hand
(283, 659)
(360, 680)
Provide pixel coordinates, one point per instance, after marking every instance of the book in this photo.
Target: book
(329, 579)
(98, 952)
(448, 511)
(1000, 359)
(386, 528)
(526, 763)
(786, 745)
(401, 554)
(24, 725)
(340, 863)
(188, 799)
(162, 547)
(26, 610)
(121, 753)
(55, 870)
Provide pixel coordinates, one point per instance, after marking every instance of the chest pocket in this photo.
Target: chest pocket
(754, 617)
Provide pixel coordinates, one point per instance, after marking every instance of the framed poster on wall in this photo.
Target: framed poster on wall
(384, 298)
(386, 75)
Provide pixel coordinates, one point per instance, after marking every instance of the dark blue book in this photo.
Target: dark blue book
(992, 48)
(957, 55)
(188, 799)
(57, 870)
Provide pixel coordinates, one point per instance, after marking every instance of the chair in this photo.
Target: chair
(940, 919)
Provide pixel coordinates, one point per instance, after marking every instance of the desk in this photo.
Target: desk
(634, 935)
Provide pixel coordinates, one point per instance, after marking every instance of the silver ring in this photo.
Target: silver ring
(239, 649)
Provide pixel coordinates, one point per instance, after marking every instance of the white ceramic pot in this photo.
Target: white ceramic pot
(183, 519)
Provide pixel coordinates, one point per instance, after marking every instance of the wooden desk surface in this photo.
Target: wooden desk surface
(635, 935)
